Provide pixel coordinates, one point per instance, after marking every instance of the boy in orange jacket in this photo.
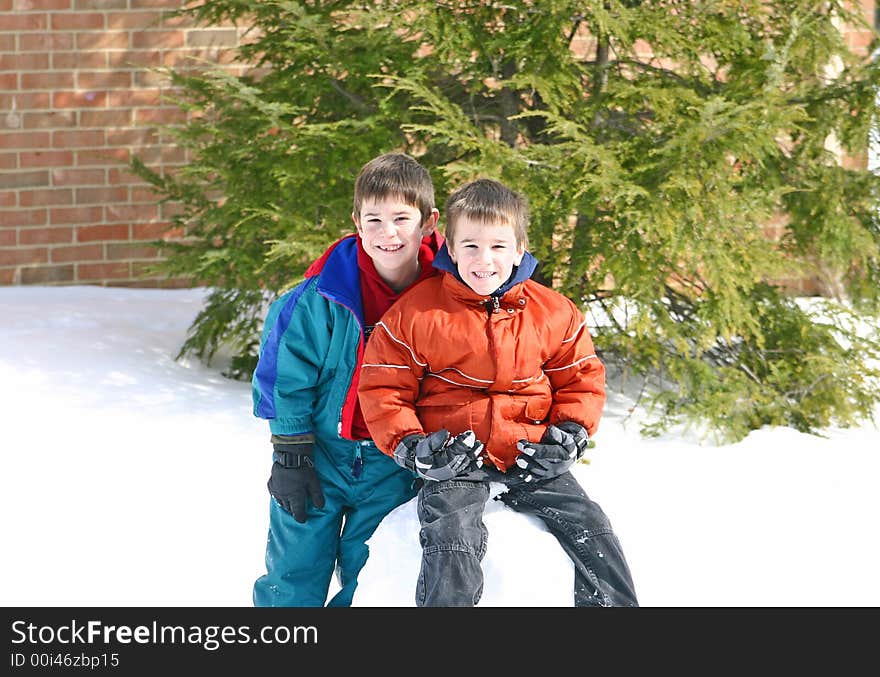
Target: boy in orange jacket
(483, 375)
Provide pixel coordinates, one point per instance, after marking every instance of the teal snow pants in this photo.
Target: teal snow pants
(301, 558)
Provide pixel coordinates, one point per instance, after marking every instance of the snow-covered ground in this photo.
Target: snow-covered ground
(130, 479)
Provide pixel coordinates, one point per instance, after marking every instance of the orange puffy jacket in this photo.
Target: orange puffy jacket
(445, 357)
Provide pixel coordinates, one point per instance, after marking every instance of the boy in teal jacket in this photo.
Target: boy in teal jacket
(329, 484)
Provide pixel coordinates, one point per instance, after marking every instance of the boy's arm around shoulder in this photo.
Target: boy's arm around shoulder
(576, 374)
(293, 349)
(389, 381)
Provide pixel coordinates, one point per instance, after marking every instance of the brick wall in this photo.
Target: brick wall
(77, 96)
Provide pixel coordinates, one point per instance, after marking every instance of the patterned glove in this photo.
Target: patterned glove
(439, 456)
(561, 445)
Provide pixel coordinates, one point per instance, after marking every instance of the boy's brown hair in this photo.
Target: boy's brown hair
(395, 175)
(491, 202)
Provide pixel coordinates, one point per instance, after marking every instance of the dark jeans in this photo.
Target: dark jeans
(454, 538)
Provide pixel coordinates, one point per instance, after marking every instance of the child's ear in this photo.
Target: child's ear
(357, 224)
(519, 256)
(451, 253)
(431, 222)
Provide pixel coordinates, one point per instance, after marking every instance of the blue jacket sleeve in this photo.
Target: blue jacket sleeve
(292, 353)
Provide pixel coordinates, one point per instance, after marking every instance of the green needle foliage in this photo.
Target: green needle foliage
(654, 140)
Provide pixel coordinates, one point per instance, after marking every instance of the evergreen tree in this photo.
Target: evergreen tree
(654, 140)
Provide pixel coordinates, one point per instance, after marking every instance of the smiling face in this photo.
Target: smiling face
(484, 253)
(391, 232)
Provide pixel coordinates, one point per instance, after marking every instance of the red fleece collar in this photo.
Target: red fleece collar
(376, 295)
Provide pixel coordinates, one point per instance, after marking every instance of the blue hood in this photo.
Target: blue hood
(520, 273)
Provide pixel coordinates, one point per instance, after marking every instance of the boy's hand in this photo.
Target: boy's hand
(294, 478)
(439, 456)
(559, 448)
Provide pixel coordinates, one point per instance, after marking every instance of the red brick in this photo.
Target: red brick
(100, 4)
(63, 60)
(103, 156)
(45, 5)
(8, 198)
(25, 140)
(117, 176)
(28, 236)
(8, 160)
(148, 78)
(102, 232)
(160, 116)
(103, 79)
(225, 37)
(104, 118)
(51, 80)
(7, 275)
(24, 22)
(45, 197)
(171, 21)
(103, 40)
(24, 100)
(145, 194)
(161, 155)
(135, 20)
(170, 4)
(24, 62)
(181, 60)
(51, 158)
(78, 139)
(134, 97)
(102, 196)
(102, 271)
(155, 231)
(132, 137)
(49, 120)
(117, 252)
(142, 59)
(78, 215)
(47, 274)
(7, 41)
(79, 99)
(45, 42)
(158, 39)
(8, 237)
(20, 256)
(131, 213)
(77, 20)
(23, 217)
(74, 253)
(24, 179)
(78, 177)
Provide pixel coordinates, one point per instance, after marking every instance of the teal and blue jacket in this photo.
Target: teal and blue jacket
(310, 353)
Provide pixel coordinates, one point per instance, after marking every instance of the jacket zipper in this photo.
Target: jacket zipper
(358, 465)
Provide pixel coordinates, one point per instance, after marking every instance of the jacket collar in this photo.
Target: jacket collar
(339, 275)
(520, 273)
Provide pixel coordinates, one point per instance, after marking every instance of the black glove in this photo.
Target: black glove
(439, 456)
(293, 475)
(561, 445)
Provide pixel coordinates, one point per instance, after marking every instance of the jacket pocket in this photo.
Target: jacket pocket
(536, 409)
(456, 417)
